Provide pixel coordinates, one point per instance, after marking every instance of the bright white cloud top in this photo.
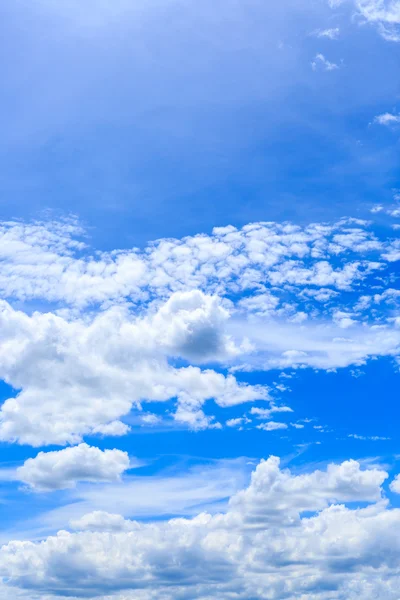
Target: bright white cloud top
(63, 469)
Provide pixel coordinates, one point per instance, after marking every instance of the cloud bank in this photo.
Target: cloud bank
(284, 536)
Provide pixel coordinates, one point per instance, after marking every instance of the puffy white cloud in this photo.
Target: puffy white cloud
(387, 119)
(49, 261)
(65, 468)
(190, 324)
(80, 376)
(234, 422)
(393, 251)
(235, 297)
(266, 545)
(100, 520)
(278, 493)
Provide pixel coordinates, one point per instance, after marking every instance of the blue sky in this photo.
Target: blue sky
(199, 300)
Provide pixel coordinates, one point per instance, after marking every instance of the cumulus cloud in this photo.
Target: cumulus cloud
(100, 520)
(164, 324)
(190, 325)
(387, 119)
(65, 468)
(284, 535)
(78, 376)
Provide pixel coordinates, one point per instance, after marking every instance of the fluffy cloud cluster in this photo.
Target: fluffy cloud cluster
(387, 119)
(286, 536)
(77, 377)
(50, 262)
(268, 296)
(63, 469)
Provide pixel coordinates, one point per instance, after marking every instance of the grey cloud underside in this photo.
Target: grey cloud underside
(265, 545)
(268, 296)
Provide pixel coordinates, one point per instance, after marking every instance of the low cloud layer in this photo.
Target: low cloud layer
(284, 536)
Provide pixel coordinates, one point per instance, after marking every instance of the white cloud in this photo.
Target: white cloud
(65, 468)
(393, 251)
(237, 422)
(320, 62)
(263, 546)
(114, 428)
(331, 34)
(150, 419)
(371, 438)
(377, 208)
(272, 426)
(233, 298)
(266, 413)
(99, 520)
(260, 304)
(395, 485)
(81, 376)
(317, 345)
(387, 119)
(49, 261)
(185, 492)
(385, 14)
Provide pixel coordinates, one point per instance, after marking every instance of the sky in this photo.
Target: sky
(200, 300)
